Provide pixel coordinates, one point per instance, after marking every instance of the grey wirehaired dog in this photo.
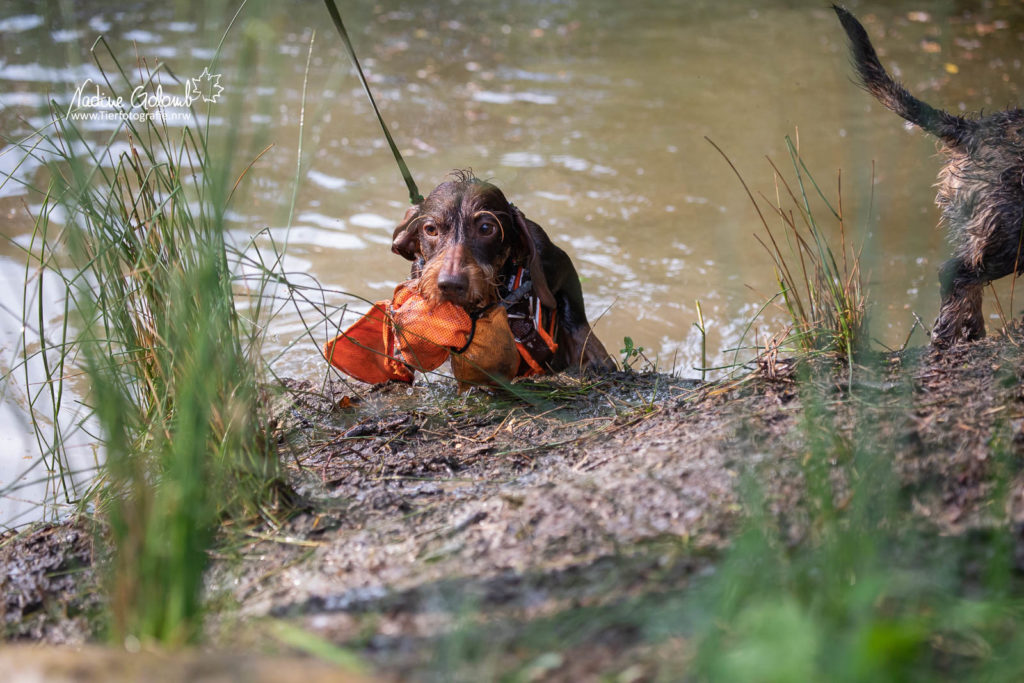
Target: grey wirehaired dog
(981, 190)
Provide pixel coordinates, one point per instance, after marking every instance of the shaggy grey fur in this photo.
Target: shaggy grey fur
(981, 190)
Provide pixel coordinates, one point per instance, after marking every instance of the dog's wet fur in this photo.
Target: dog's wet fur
(462, 236)
(981, 190)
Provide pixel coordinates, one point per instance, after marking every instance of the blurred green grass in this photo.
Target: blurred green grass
(166, 321)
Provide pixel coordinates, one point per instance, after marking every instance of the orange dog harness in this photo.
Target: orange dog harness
(527, 319)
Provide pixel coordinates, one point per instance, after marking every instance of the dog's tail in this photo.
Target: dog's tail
(953, 130)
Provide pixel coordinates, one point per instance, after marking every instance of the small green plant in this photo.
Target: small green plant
(631, 353)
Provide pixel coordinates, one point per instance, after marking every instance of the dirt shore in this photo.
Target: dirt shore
(431, 514)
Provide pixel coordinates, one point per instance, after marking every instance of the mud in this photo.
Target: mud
(26, 664)
(542, 515)
(48, 587)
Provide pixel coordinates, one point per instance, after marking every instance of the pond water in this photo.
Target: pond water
(591, 116)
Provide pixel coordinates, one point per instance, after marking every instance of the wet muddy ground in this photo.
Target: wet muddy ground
(430, 515)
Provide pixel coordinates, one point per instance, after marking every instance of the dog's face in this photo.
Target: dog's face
(462, 234)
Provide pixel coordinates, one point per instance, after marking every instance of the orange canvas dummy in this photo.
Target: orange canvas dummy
(399, 336)
(405, 334)
(491, 357)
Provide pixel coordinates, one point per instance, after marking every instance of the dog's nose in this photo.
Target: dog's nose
(453, 285)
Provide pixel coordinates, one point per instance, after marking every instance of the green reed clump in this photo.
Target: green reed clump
(821, 286)
(172, 367)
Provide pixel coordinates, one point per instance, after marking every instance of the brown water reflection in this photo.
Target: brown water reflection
(590, 115)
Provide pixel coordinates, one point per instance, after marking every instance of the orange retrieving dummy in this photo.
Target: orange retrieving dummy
(405, 334)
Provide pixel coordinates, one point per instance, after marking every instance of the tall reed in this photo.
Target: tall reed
(173, 368)
(821, 285)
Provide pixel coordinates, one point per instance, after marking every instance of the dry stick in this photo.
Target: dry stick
(591, 333)
(703, 342)
(802, 246)
(927, 330)
(884, 345)
(246, 170)
(753, 201)
(1016, 264)
(791, 224)
(909, 334)
(999, 306)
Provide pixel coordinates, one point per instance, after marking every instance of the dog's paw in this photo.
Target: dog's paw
(598, 362)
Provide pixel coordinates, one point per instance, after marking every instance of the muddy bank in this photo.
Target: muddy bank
(549, 518)
(538, 520)
(26, 664)
(48, 587)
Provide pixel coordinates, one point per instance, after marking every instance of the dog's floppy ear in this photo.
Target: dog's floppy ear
(406, 239)
(540, 282)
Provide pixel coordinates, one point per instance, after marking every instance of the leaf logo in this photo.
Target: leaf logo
(207, 86)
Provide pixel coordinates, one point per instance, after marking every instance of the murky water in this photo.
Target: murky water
(591, 116)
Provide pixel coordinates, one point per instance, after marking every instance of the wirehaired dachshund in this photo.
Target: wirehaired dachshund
(981, 190)
(468, 244)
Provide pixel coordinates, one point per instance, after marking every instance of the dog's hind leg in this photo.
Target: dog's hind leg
(960, 316)
(579, 346)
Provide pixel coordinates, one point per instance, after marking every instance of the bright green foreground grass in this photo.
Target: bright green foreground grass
(172, 366)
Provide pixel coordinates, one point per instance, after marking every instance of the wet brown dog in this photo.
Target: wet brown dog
(981, 191)
(467, 243)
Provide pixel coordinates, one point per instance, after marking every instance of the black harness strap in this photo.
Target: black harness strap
(522, 304)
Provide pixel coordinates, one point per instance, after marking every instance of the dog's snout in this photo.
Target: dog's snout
(453, 284)
(452, 280)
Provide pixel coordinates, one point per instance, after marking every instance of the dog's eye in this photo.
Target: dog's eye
(486, 228)
(430, 230)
